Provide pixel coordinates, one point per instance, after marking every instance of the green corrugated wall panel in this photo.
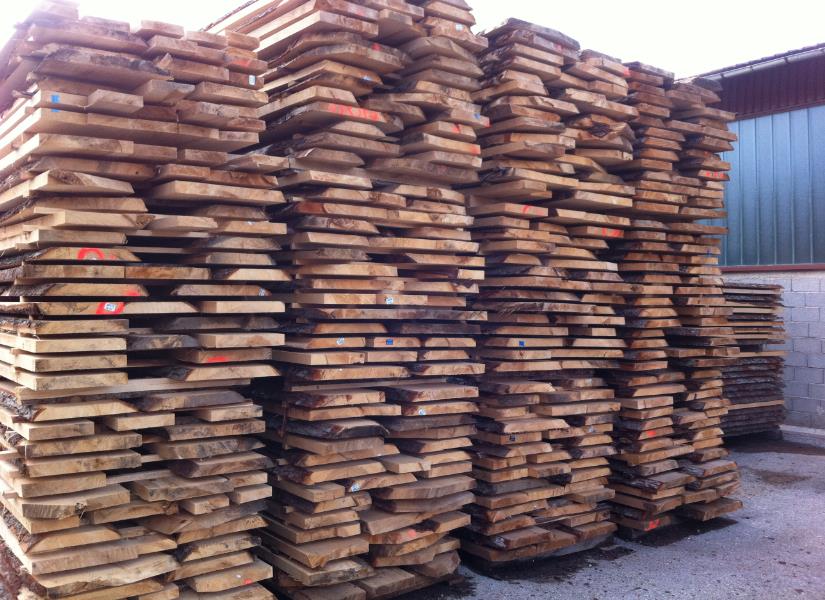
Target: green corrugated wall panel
(776, 196)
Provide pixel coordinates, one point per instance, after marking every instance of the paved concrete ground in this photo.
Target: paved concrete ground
(773, 549)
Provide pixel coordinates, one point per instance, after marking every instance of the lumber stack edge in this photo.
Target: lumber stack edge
(321, 299)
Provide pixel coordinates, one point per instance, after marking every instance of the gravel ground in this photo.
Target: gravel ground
(773, 549)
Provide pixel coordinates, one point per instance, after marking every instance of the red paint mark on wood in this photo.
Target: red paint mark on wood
(90, 254)
(353, 111)
(110, 308)
(653, 524)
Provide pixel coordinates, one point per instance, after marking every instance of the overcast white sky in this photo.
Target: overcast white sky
(685, 36)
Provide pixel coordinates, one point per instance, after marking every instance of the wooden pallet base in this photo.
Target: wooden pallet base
(349, 591)
(572, 549)
(674, 520)
(422, 582)
(770, 432)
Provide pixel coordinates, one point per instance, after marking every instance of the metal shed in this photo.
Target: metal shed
(776, 196)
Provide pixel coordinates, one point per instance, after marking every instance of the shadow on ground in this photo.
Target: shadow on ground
(553, 570)
(753, 444)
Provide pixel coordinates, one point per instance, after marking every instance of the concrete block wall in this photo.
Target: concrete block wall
(804, 299)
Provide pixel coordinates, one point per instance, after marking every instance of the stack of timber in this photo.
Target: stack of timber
(136, 260)
(370, 105)
(754, 381)
(703, 345)
(644, 472)
(546, 410)
(670, 387)
(434, 252)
